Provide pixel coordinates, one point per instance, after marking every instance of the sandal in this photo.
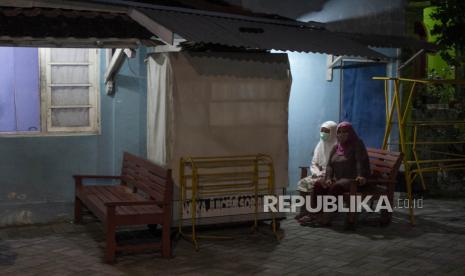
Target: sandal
(317, 221)
(316, 224)
(306, 219)
(299, 216)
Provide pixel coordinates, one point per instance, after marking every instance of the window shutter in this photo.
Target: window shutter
(71, 99)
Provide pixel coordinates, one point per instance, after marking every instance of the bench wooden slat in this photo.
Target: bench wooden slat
(106, 194)
(383, 156)
(393, 153)
(113, 196)
(153, 190)
(98, 197)
(94, 204)
(132, 160)
(146, 180)
(125, 196)
(381, 170)
(382, 163)
(101, 193)
(160, 171)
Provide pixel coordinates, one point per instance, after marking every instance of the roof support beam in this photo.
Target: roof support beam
(71, 42)
(54, 4)
(332, 62)
(113, 67)
(162, 32)
(410, 59)
(337, 60)
(354, 59)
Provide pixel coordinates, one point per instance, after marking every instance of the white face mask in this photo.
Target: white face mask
(324, 136)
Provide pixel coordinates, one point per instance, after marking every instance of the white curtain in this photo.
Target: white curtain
(158, 93)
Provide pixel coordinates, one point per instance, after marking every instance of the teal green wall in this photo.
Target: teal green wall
(36, 182)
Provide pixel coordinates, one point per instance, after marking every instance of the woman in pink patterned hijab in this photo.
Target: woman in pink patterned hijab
(349, 158)
(346, 137)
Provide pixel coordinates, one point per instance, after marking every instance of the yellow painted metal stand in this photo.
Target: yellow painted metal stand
(224, 175)
(414, 168)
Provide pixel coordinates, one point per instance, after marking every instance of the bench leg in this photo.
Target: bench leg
(77, 210)
(351, 218)
(166, 241)
(385, 218)
(110, 249)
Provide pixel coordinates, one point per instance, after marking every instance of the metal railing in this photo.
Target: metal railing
(416, 167)
(201, 177)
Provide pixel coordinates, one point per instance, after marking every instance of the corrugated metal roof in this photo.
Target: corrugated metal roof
(389, 41)
(75, 26)
(248, 33)
(33, 26)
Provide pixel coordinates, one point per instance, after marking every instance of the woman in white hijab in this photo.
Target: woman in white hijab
(318, 166)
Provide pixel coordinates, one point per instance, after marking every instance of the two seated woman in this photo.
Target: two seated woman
(347, 161)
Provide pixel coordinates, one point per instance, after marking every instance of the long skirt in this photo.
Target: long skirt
(307, 184)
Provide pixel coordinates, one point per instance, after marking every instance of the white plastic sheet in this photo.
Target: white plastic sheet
(214, 104)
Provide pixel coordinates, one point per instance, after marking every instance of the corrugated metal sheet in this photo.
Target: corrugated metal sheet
(45, 26)
(389, 41)
(251, 34)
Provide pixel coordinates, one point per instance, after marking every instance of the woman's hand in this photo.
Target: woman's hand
(328, 183)
(361, 180)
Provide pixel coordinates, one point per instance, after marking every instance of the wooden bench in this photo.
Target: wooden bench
(143, 196)
(384, 166)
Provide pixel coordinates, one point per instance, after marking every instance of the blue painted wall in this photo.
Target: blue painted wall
(313, 101)
(36, 183)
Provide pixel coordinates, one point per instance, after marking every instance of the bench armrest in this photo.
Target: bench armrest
(134, 203)
(354, 185)
(76, 177)
(380, 181)
(304, 171)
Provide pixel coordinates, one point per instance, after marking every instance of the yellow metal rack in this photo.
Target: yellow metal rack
(201, 177)
(416, 167)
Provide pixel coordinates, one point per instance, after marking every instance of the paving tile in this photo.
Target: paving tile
(434, 247)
